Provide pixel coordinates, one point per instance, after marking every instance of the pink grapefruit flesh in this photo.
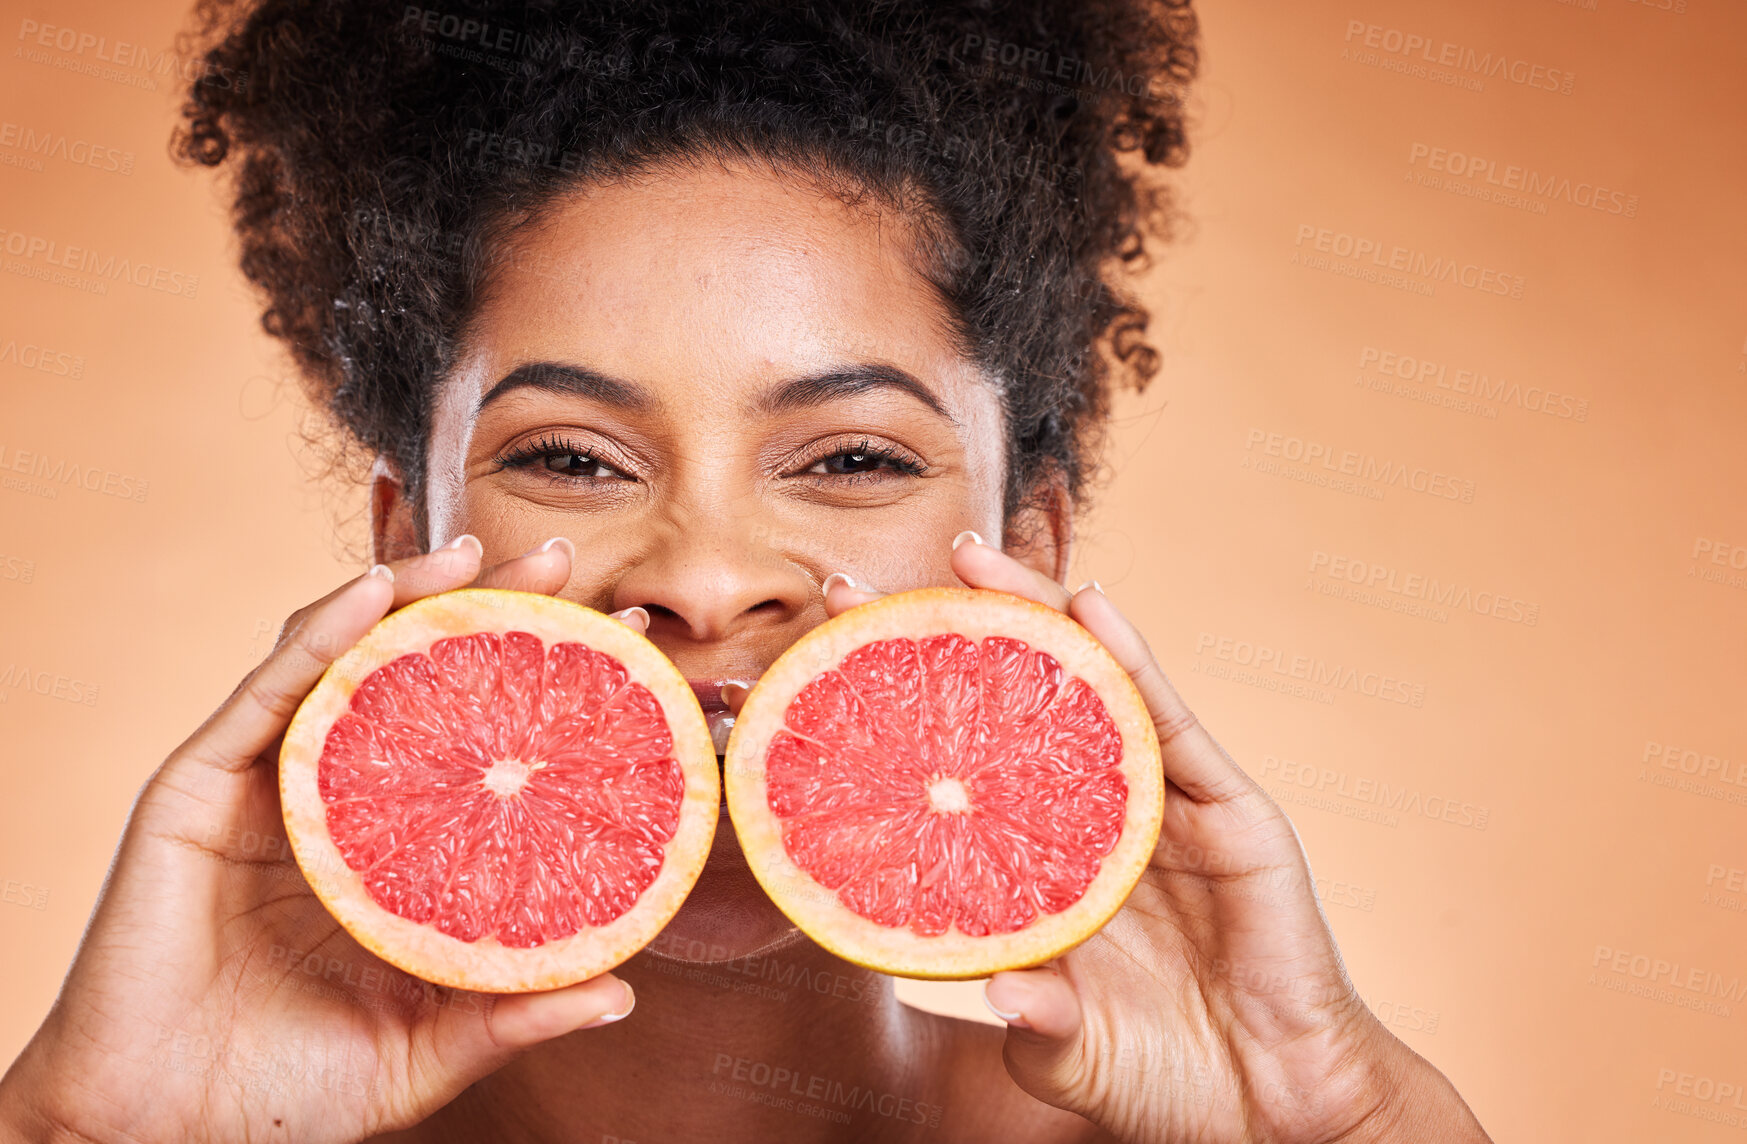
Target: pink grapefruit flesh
(500, 791)
(946, 783)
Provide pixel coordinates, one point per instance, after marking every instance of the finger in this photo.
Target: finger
(1043, 1018)
(520, 1020)
(466, 1042)
(981, 566)
(262, 706)
(545, 568)
(637, 619)
(259, 710)
(1192, 759)
(451, 566)
(842, 593)
(734, 693)
(415, 577)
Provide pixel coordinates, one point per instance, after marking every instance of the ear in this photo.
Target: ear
(393, 527)
(1040, 534)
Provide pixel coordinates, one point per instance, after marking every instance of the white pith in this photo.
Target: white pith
(487, 965)
(948, 796)
(916, 615)
(506, 777)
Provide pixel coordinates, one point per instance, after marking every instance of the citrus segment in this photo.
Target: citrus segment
(945, 783)
(499, 790)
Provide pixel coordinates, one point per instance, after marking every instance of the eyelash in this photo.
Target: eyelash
(904, 464)
(544, 448)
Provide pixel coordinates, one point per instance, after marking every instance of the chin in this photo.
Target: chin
(727, 915)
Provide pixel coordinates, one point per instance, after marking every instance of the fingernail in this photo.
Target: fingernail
(624, 617)
(556, 542)
(383, 572)
(625, 1008)
(1092, 584)
(1010, 1018)
(967, 534)
(835, 577)
(735, 691)
(464, 539)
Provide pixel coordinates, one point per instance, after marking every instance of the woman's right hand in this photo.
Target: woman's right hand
(213, 996)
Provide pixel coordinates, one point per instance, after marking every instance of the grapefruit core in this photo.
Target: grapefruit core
(500, 791)
(946, 783)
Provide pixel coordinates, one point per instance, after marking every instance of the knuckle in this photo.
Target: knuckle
(277, 703)
(199, 753)
(1175, 723)
(1148, 672)
(319, 647)
(287, 630)
(447, 561)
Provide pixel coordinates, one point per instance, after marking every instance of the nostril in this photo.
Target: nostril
(712, 620)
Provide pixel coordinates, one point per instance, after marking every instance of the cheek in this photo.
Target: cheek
(909, 544)
(510, 526)
(447, 513)
(986, 458)
(909, 547)
(983, 431)
(894, 548)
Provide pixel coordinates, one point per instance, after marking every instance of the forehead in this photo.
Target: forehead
(715, 278)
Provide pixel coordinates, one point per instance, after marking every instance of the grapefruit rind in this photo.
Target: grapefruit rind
(487, 965)
(916, 615)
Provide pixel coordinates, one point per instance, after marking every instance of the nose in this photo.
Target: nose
(706, 580)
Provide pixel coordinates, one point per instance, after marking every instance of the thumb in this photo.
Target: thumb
(476, 1034)
(1043, 1049)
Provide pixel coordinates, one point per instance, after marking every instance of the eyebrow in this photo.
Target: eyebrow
(819, 388)
(574, 380)
(796, 393)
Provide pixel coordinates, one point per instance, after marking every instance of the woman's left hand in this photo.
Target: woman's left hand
(1213, 1006)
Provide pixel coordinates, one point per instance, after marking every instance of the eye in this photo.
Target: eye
(562, 459)
(842, 464)
(864, 460)
(578, 465)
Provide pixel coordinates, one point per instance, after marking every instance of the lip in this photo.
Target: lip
(709, 693)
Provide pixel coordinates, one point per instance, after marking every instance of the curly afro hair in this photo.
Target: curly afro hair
(379, 150)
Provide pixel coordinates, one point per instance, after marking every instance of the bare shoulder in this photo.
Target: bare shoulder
(984, 1104)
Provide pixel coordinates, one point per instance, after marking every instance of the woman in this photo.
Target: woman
(726, 318)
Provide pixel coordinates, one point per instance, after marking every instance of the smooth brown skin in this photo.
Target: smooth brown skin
(1212, 1008)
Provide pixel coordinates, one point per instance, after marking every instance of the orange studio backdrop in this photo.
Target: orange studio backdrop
(1437, 511)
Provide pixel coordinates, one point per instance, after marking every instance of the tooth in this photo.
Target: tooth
(721, 723)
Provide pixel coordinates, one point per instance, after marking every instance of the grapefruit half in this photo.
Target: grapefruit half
(500, 791)
(946, 783)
